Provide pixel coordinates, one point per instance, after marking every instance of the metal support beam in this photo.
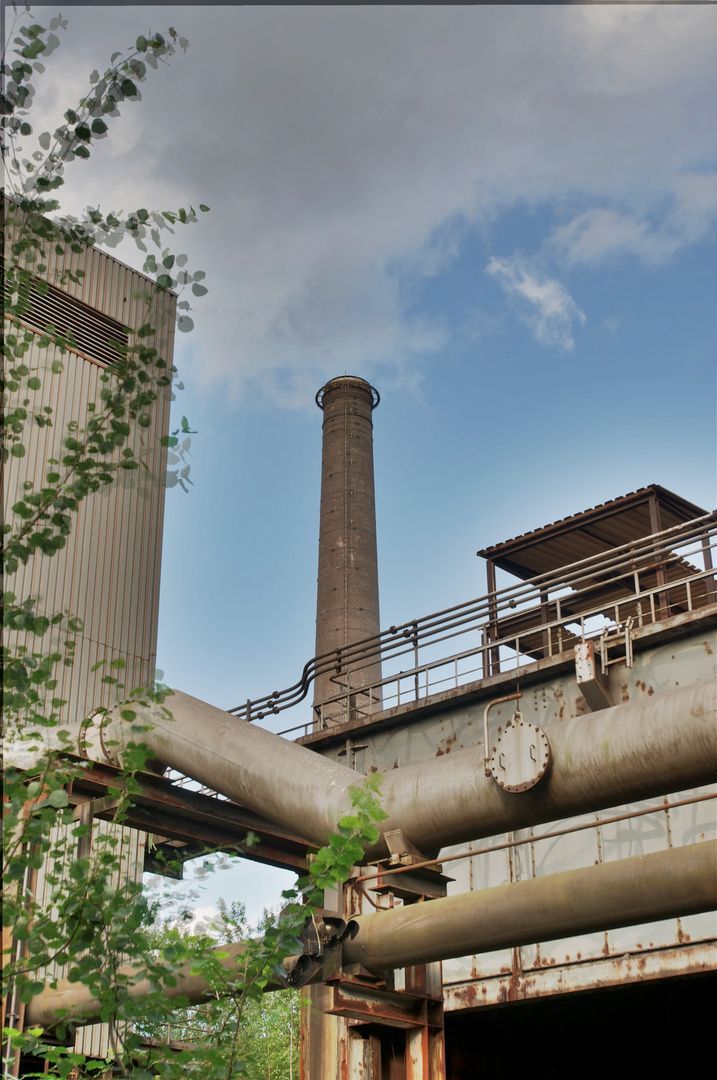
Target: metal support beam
(590, 678)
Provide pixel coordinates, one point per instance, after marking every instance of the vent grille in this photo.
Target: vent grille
(92, 331)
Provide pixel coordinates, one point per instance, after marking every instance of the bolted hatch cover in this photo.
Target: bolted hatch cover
(520, 755)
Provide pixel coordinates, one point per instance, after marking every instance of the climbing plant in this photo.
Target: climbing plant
(94, 924)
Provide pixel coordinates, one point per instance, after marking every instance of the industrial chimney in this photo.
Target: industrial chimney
(347, 596)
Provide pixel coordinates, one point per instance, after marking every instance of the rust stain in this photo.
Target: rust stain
(439, 752)
(708, 650)
(650, 691)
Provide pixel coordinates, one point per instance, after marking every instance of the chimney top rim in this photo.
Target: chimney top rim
(348, 381)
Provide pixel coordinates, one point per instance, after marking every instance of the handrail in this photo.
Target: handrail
(486, 612)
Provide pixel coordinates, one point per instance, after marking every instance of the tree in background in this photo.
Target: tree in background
(268, 1032)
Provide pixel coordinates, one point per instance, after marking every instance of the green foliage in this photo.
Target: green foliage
(89, 922)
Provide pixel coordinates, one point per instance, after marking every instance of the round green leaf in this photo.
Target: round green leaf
(99, 127)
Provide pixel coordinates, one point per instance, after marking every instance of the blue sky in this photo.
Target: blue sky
(503, 217)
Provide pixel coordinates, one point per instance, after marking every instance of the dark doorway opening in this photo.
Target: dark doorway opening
(659, 1028)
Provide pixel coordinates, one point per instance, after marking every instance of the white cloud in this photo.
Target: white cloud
(552, 309)
(345, 150)
(600, 234)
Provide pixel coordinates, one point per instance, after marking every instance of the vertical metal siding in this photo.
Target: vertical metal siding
(108, 573)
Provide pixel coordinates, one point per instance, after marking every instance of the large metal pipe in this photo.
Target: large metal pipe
(79, 1005)
(664, 884)
(347, 591)
(635, 751)
(263, 772)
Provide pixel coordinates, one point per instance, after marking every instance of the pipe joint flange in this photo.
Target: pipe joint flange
(520, 756)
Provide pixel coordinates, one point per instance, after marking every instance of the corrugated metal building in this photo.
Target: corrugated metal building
(107, 575)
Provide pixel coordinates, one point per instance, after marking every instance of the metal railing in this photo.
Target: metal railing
(605, 598)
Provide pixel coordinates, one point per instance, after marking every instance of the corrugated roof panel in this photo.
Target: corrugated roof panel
(590, 532)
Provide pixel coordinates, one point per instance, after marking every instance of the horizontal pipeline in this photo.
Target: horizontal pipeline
(664, 884)
(79, 1006)
(639, 750)
(627, 892)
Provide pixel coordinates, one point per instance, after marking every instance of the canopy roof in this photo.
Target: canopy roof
(630, 517)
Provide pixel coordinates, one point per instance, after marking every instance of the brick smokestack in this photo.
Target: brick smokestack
(347, 597)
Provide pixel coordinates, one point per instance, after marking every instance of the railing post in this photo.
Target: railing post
(656, 526)
(415, 660)
(494, 654)
(545, 618)
(707, 556)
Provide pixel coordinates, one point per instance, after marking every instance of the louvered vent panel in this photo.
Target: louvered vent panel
(92, 331)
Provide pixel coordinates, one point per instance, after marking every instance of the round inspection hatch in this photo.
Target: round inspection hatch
(520, 755)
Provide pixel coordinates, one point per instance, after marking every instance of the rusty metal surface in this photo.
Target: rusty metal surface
(674, 961)
(194, 820)
(667, 655)
(664, 884)
(597, 761)
(592, 531)
(358, 1000)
